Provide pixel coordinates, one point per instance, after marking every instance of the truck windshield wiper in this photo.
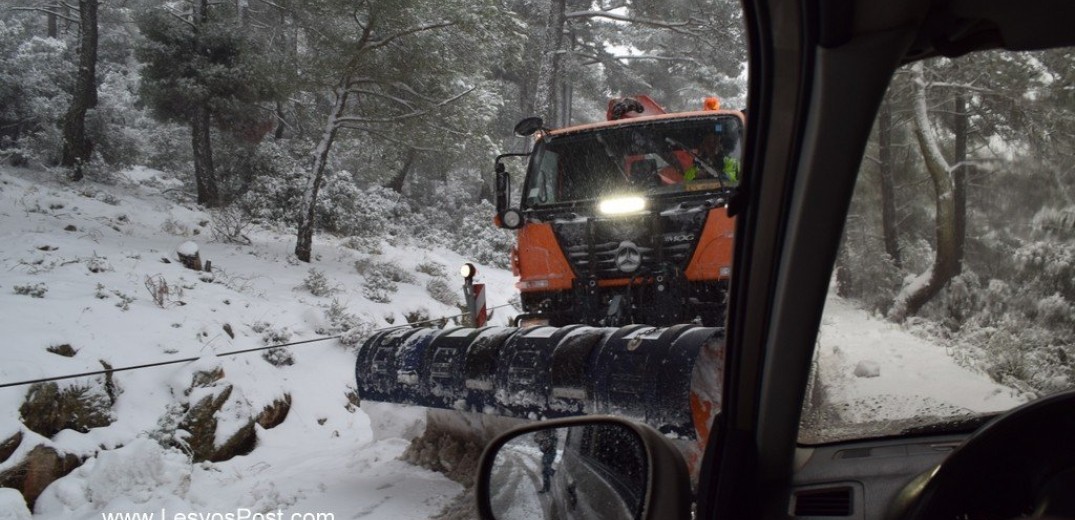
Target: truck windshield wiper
(612, 157)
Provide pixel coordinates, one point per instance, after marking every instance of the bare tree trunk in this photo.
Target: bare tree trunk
(844, 277)
(946, 260)
(67, 20)
(285, 45)
(201, 144)
(551, 62)
(280, 123)
(400, 179)
(487, 192)
(77, 148)
(304, 244)
(888, 196)
(241, 7)
(200, 129)
(53, 26)
(959, 175)
(527, 79)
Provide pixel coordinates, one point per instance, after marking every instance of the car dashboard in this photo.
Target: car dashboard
(863, 480)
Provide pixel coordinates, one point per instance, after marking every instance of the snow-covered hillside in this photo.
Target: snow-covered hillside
(76, 266)
(83, 265)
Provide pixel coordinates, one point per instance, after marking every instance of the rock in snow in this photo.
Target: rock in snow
(867, 369)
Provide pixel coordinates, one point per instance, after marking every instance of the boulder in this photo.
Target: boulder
(274, 414)
(9, 445)
(201, 423)
(49, 409)
(41, 466)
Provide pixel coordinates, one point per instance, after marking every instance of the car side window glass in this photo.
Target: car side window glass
(953, 293)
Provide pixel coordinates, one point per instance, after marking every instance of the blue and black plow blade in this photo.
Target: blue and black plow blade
(646, 373)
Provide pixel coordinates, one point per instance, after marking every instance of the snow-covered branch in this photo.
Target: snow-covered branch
(181, 19)
(960, 86)
(275, 5)
(347, 120)
(928, 142)
(651, 57)
(382, 95)
(389, 138)
(367, 26)
(354, 82)
(593, 58)
(412, 91)
(181, 16)
(49, 12)
(375, 44)
(629, 19)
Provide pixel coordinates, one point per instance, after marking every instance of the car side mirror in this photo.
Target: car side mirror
(583, 467)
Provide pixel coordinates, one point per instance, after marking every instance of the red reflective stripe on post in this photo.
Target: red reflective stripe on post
(480, 313)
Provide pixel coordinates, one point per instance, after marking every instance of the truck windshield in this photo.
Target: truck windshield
(650, 157)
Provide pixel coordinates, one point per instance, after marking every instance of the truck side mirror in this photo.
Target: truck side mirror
(509, 218)
(583, 467)
(506, 217)
(528, 126)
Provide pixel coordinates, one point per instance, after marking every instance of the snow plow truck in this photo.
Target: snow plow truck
(623, 221)
(623, 254)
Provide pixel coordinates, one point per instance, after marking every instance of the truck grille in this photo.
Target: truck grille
(593, 245)
(604, 258)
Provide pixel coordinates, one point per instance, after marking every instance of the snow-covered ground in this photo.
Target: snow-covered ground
(81, 255)
(76, 265)
(878, 377)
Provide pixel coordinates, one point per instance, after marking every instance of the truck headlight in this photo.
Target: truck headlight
(621, 205)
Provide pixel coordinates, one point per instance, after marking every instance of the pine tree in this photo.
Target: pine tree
(200, 70)
(396, 71)
(77, 147)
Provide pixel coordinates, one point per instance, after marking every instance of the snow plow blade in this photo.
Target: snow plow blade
(667, 377)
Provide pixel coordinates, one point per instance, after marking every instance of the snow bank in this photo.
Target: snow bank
(395, 421)
(12, 505)
(141, 476)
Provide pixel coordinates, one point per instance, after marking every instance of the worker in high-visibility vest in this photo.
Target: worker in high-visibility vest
(715, 151)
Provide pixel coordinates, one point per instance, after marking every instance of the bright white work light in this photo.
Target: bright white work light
(468, 270)
(622, 205)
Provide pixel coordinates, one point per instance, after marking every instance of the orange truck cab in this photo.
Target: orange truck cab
(624, 221)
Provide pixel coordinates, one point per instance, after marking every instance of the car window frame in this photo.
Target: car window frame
(814, 125)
